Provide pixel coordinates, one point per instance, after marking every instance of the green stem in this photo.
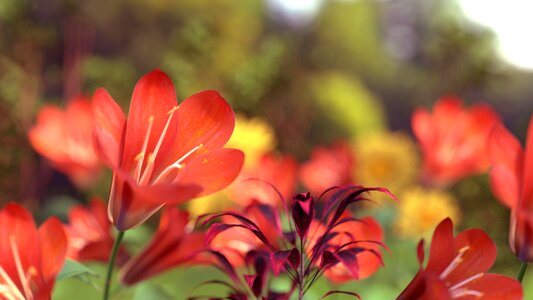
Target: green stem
(521, 272)
(111, 265)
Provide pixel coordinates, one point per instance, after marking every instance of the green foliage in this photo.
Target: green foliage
(345, 101)
(73, 269)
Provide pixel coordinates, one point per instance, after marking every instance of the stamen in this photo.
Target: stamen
(464, 292)
(9, 289)
(140, 156)
(20, 270)
(455, 262)
(177, 164)
(147, 173)
(468, 280)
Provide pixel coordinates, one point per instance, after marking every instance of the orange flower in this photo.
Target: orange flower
(254, 183)
(331, 166)
(453, 139)
(89, 232)
(29, 258)
(164, 153)
(511, 179)
(173, 244)
(65, 138)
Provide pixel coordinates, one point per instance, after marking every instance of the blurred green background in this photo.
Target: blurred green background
(338, 71)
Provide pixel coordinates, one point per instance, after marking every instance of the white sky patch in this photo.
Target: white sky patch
(297, 11)
(512, 23)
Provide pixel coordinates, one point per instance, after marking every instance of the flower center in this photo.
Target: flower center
(8, 288)
(458, 290)
(143, 176)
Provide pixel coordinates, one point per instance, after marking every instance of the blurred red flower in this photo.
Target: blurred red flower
(367, 233)
(30, 258)
(511, 178)
(173, 244)
(65, 138)
(328, 166)
(164, 153)
(453, 139)
(89, 232)
(456, 269)
(256, 183)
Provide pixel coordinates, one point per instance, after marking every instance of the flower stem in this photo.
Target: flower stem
(112, 259)
(521, 272)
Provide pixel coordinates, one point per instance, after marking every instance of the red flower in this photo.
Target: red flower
(254, 184)
(173, 244)
(89, 232)
(332, 166)
(164, 153)
(453, 139)
(511, 179)
(65, 138)
(29, 258)
(456, 269)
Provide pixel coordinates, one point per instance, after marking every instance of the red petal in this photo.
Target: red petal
(204, 118)
(447, 111)
(49, 132)
(17, 225)
(153, 97)
(212, 171)
(425, 286)
(496, 287)
(506, 156)
(478, 256)
(423, 128)
(441, 251)
(527, 180)
(420, 253)
(53, 247)
(109, 127)
(169, 247)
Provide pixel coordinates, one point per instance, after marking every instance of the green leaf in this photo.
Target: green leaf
(75, 269)
(150, 291)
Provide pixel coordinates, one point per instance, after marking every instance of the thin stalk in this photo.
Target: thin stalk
(111, 265)
(521, 272)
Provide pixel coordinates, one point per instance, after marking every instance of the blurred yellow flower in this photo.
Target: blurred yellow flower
(420, 210)
(216, 202)
(386, 159)
(254, 137)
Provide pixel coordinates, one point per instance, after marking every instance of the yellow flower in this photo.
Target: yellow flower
(254, 137)
(216, 202)
(387, 160)
(420, 210)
